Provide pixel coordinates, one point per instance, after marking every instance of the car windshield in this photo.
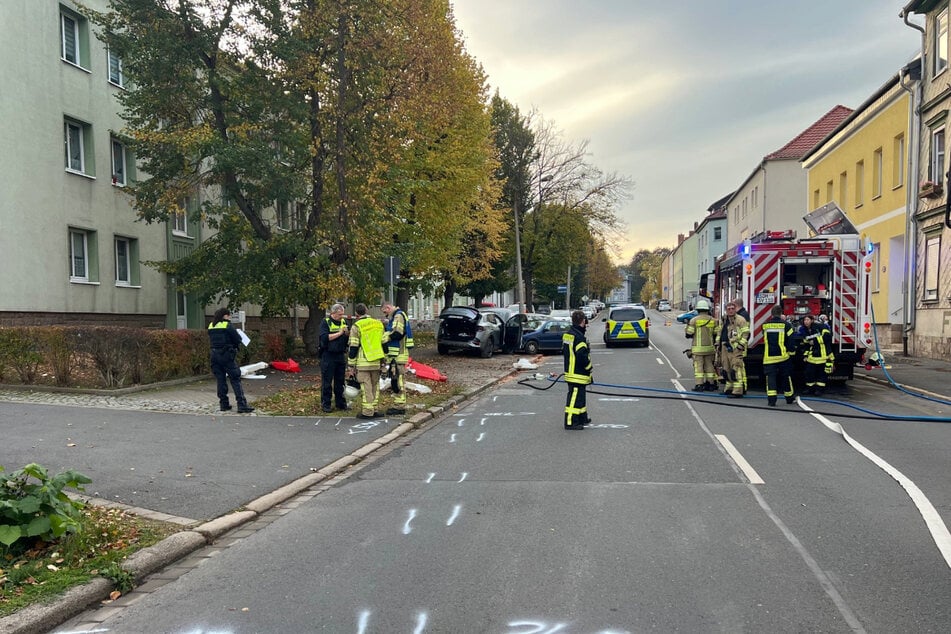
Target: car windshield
(627, 314)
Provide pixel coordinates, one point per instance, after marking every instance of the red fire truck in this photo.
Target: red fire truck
(826, 274)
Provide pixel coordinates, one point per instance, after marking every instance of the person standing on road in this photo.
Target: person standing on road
(332, 342)
(365, 356)
(574, 348)
(777, 364)
(398, 339)
(702, 330)
(731, 344)
(818, 357)
(224, 341)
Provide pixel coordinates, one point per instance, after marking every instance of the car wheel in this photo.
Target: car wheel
(531, 347)
(486, 350)
(441, 349)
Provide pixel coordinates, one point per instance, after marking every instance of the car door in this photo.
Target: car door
(512, 332)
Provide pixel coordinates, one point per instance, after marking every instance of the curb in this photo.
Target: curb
(907, 388)
(42, 618)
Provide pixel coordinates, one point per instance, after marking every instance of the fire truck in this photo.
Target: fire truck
(827, 273)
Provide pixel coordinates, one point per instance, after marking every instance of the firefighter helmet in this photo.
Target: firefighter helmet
(703, 304)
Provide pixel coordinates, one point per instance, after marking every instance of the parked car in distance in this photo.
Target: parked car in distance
(544, 310)
(545, 336)
(561, 313)
(588, 311)
(626, 324)
(687, 316)
(469, 329)
(663, 305)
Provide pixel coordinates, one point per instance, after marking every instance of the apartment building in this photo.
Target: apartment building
(72, 249)
(862, 166)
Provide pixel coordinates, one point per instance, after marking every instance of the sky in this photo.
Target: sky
(684, 97)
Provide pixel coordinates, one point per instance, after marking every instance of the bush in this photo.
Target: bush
(38, 507)
(59, 348)
(19, 349)
(178, 353)
(277, 346)
(119, 354)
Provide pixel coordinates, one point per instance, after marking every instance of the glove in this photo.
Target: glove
(830, 366)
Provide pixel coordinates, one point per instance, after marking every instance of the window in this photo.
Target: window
(118, 162)
(717, 233)
(115, 69)
(941, 42)
(815, 199)
(936, 168)
(932, 251)
(75, 150)
(69, 26)
(843, 189)
(283, 215)
(83, 265)
(829, 188)
(127, 261)
(74, 38)
(898, 169)
(859, 183)
(744, 207)
(180, 217)
(877, 173)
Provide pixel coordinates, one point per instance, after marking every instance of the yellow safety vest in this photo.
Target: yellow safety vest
(367, 336)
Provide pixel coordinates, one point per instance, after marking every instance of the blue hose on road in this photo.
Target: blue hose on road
(720, 399)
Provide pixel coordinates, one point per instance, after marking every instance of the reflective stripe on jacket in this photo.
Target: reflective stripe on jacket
(703, 329)
(367, 337)
(736, 333)
(398, 349)
(574, 347)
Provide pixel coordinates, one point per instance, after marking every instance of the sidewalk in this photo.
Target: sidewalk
(929, 377)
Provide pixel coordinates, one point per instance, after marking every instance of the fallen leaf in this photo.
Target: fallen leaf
(52, 567)
(115, 594)
(70, 444)
(244, 609)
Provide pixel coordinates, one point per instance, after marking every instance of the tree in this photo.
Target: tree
(361, 116)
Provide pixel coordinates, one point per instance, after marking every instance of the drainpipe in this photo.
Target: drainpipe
(910, 300)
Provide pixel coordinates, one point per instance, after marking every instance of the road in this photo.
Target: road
(495, 519)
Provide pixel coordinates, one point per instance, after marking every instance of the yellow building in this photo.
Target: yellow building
(862, 167)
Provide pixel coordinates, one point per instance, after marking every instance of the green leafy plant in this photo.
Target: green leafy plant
(33, 504)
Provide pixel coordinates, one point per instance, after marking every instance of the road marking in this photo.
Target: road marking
(421, 619)
(660, 361)
(625, 398)
(455, 514)
(406, 527)
(740, 461)
(430, 478)
(463, 477)
(936, 526)
(482, 422)
(452, 438)
(460, 423)
(481, 436)
(363, 622)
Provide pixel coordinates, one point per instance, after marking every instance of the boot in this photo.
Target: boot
(244, 408)
(771, 401)
(225, 406)
(790, 400)
(699, 387)
(712, 387)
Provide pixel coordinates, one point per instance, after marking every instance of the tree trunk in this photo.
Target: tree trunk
(449, 292)
(312, 328)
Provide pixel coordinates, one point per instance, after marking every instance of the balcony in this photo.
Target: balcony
(930, 189)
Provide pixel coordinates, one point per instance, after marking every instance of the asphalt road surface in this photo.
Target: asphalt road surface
(666, 515)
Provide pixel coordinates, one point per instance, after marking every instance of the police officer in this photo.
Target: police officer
(702, 329)
(398, 339)
(731, 343)
(818, 356)
(365, 356)
(777, 365)
(224, 341)
(574, 348)
(332, 336)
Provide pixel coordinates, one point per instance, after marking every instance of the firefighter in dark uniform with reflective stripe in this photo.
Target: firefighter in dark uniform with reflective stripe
(577, 355)
(819, 358)
(778, 343)
(333, 337)
(224, 341)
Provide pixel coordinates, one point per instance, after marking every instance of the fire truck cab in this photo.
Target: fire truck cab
(826, 274)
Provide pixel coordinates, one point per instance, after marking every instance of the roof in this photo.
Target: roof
(919, 6)
(807, 139)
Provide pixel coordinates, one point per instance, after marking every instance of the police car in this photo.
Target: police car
(627, 324)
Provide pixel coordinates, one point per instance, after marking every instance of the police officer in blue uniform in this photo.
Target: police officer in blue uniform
(224, 341)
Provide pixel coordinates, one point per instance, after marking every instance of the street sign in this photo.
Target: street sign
(585, 298)
(562, 288)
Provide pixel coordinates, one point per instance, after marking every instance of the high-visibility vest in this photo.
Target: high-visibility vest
(367, 336)
(399, 349)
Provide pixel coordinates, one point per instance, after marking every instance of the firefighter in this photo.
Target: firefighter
(778, 342)
(365, 356)
(818, 356)
(731, 345)
(224, 340)
(702, 329)
(575, 349)
(398, 340)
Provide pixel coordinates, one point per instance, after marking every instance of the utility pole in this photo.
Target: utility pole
(520, 294)
(568, 294)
